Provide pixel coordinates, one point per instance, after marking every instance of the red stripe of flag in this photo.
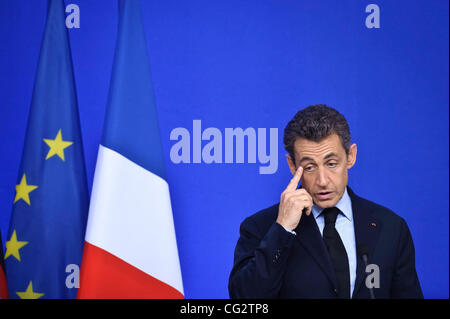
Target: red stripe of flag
(3, 285)
(106, 276)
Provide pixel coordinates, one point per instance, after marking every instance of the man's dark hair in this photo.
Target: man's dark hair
(314, 123)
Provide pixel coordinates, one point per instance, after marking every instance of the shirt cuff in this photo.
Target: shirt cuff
(288, 230)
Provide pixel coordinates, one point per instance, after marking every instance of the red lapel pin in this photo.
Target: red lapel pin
(373, 224)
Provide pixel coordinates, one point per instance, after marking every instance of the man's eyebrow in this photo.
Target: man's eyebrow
(330, 155)
(307, 158)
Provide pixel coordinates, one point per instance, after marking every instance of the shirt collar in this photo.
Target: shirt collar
(344, 205)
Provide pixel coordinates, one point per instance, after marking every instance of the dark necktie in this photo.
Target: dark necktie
(337, 252)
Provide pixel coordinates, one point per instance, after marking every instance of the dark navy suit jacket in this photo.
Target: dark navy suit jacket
(270, 262)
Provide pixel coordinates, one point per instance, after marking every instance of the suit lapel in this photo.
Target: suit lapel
(366, 234)
(309, 236)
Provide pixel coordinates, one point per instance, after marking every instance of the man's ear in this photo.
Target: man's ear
(291, 164)
(351, 157)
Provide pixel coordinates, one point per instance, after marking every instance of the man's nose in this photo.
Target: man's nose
(322, 178)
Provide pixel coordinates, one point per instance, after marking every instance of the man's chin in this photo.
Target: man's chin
(326, 203)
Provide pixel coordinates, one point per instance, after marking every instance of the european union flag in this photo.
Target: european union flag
(46, 233)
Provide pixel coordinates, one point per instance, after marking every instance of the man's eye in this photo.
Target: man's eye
(332, 164)
(308, 168)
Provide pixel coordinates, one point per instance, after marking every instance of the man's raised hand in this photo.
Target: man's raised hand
(292, 203)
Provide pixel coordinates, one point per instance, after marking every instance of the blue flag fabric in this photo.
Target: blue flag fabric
(46, 234)
(131, 124)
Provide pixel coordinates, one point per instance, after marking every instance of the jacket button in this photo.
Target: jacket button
(335, 291)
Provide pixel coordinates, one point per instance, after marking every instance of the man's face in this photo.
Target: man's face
(325, 168)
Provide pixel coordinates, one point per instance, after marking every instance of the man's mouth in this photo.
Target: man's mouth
(324, 195)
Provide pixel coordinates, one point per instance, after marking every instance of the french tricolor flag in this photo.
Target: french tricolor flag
(130, 245)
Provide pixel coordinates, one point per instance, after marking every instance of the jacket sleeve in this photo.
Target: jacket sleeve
(405, 283)
(259, 261)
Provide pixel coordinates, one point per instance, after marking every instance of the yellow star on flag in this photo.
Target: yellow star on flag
(23, 190)
(57, 146)
(13, 246)
(29, 293)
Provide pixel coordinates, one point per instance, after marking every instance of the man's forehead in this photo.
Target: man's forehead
(318, 150)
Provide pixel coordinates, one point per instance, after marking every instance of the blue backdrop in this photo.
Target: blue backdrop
(254, 63)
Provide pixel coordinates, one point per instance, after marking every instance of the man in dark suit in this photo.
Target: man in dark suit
(321, 238)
